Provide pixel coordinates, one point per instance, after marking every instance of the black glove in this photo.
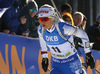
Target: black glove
(76, 41)
(45, 64)
(90, 60)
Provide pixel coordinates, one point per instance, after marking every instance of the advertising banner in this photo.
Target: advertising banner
(20, 55)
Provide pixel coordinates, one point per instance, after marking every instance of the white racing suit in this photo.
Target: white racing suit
(63, 53)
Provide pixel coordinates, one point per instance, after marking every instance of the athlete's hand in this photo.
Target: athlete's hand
(76, 41)
(45, 64)
(90, 60)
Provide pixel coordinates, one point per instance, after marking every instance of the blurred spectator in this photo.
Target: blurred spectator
(83, 25)
(95, 24)
(66, 8)
(28, 12)
(78, 18)
(66, 11)
(3, 27)
(94, 34)
(11, 18)
(23, 3)
(4, 5)
(67, 17)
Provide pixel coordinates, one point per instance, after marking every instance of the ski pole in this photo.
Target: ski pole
(56, 9)
(85, 65)
(48, 69)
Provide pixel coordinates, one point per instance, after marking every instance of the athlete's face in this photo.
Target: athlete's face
(46, 24)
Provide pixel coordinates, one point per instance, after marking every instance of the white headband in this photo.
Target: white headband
(46, 12)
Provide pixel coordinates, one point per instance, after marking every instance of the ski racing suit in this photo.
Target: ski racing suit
(64, 55)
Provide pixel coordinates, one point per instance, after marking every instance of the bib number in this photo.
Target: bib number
(56, 49)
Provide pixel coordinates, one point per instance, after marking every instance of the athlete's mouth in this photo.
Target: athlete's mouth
(44, 25)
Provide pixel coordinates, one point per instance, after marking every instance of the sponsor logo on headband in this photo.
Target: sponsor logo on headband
(43, 11)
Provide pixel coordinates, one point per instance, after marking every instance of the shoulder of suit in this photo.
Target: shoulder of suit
(68, 29)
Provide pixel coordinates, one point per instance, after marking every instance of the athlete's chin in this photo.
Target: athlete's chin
(45, 27)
